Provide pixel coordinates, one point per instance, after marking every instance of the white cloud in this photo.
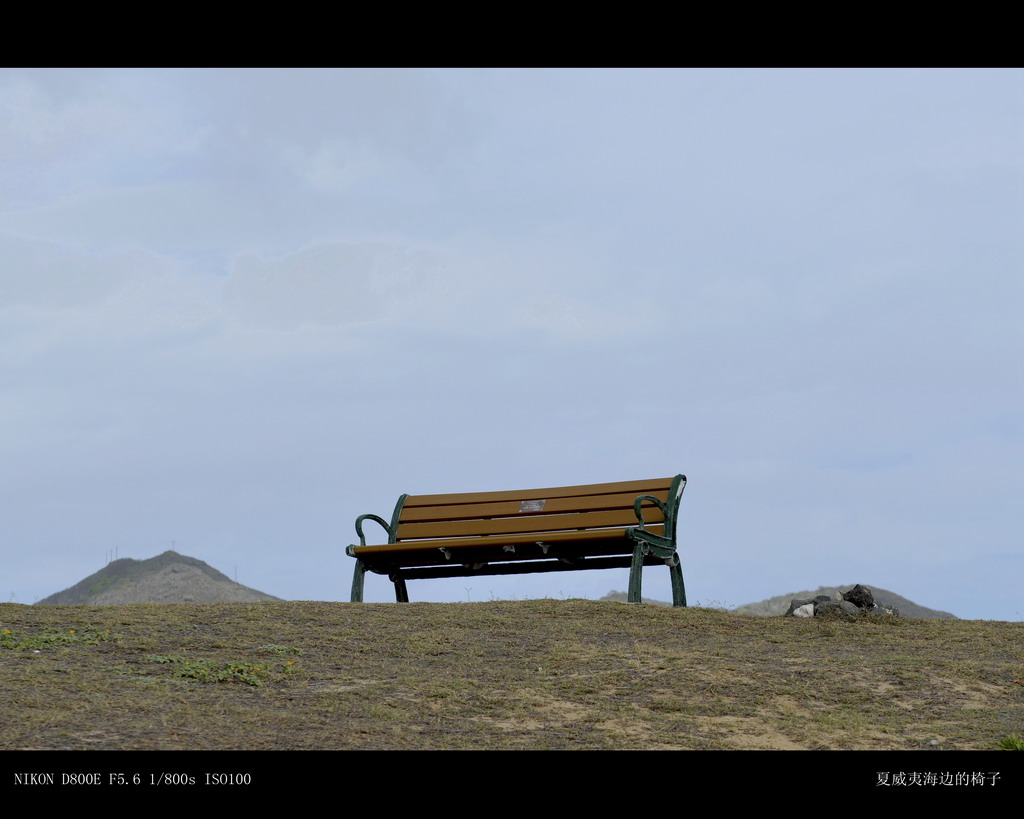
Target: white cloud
(47, 276)
(67, 132)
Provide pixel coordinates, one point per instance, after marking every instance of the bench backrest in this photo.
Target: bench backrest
(556, 509)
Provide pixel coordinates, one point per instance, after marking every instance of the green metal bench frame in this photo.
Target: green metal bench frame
(574, 528)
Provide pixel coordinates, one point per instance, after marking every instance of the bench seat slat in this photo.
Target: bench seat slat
(412, 513)
(387, 557)
(411, 546)
(538, 524)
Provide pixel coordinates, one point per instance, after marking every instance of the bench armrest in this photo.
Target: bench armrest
(381, 521)
(663, 546)
(639, 512)
(390, 528)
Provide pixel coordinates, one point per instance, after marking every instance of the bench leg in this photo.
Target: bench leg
(636, 570)
(678, 589)
(357, 581)
(401, 592)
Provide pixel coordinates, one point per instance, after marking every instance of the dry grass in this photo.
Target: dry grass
(528, 674)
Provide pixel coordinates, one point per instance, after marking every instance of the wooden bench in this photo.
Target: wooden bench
(570, 528)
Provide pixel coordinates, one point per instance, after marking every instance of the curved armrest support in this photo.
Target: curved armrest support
(376, 519)
(639, 512)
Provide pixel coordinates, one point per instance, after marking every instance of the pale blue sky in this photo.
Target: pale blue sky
(240, 308)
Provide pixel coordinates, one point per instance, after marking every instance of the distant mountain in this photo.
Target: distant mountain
(166, 578)
(780, 604)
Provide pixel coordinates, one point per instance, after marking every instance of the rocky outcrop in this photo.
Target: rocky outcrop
(775, 606)
(853, 603)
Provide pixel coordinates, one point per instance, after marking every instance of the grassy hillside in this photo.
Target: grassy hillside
(526, 674)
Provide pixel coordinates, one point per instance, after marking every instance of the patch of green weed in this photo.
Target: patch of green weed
(52, 638)
(209, 671)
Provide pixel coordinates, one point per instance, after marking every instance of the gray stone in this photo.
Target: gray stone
(796, 604)
(860, 596)
(832, 608)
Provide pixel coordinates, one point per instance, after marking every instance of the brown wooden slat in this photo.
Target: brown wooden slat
(636, 487)
(581, 503)
(524, 523)
(471, 542)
